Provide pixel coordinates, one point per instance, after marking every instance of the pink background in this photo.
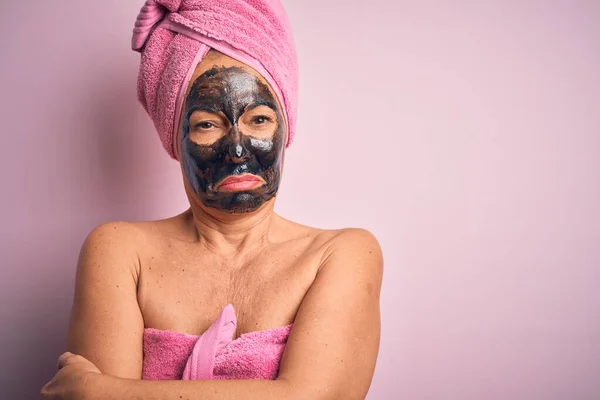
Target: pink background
(466, 137)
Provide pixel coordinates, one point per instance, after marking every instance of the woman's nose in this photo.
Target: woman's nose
(236, 151)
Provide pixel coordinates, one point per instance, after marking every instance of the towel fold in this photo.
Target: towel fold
(214, 354)
(200, 363)
(174, 35)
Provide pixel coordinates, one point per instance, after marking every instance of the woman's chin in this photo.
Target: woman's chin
(239, 201)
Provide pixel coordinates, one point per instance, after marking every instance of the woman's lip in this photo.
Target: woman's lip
(239, 182)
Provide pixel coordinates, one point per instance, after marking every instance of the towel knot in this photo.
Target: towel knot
(152, 12)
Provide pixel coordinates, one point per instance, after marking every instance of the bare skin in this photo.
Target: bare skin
(177, 274)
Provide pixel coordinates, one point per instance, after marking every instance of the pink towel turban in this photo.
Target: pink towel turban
(174, 35)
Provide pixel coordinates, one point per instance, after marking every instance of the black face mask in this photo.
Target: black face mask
(231, 92)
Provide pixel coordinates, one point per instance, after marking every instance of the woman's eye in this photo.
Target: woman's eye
(260, 119)
(204, 125)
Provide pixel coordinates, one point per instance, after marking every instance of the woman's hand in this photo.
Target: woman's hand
(69, 383)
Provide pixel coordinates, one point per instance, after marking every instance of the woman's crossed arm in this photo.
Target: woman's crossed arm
(330, 354)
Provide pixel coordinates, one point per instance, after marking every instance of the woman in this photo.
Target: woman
(228, 269)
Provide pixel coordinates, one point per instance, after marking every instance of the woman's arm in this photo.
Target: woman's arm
(106, 325)
(334, 343)
(331, 351)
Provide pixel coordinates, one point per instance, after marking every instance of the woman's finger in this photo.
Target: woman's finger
(63, 359)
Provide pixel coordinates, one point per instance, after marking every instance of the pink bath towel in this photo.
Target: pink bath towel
(214, 354)
(174, 35)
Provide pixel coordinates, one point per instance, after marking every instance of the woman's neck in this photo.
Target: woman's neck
(228, 234)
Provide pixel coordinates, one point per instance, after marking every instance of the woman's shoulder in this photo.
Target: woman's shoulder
(126, 236)
(353, 250)
(351, 239)
(335, 238)
(126, 232)
(122, 233)
(345, 250)
(133, 231)
(120, 246)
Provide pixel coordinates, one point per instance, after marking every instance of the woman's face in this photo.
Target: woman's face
(233, 136)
